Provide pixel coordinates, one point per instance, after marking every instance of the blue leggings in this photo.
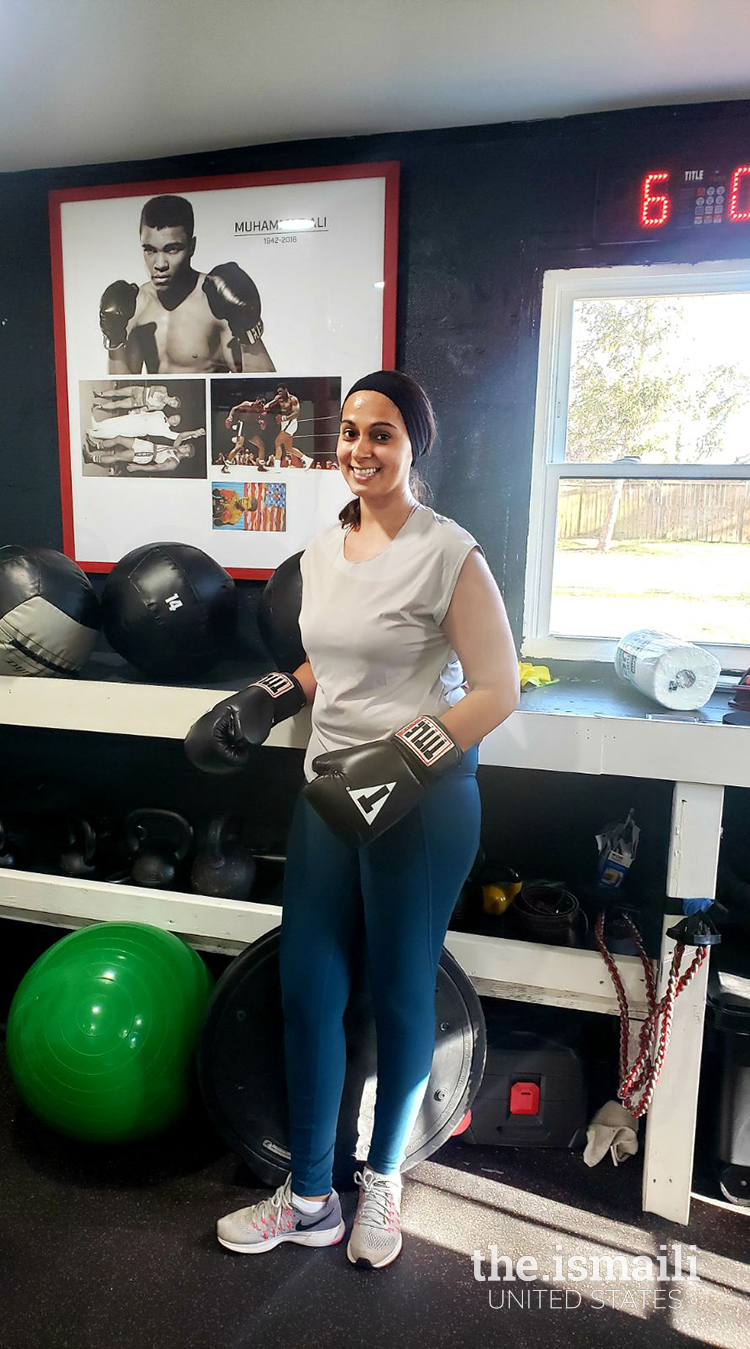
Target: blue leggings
(407, 882)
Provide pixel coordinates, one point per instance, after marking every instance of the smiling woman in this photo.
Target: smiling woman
(383, 438)
(407, 586)
(398, 608)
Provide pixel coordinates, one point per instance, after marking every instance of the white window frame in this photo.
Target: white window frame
(560, 290)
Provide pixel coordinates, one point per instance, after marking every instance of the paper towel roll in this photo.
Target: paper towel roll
(676, 674)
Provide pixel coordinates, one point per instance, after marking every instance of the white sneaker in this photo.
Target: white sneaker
(260, 1227)
(376, 1235)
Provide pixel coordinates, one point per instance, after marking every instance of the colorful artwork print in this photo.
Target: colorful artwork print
(250, 506)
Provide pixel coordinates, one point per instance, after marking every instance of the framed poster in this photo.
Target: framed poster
(205, 331)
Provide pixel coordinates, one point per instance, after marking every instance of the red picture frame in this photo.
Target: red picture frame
(387, 170)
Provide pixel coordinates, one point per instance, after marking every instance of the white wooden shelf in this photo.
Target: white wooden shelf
(621, 746)
(523, 971)
(592, 729)
(163, 711)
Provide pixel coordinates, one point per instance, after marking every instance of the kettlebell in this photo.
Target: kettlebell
(223, 869)
(7, 859)
(78, 857)
(157, 840)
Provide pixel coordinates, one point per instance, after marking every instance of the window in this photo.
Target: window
(640, 499)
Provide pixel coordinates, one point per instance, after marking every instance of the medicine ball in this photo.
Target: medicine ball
(278, 615)
(169, 609)
(49, 614)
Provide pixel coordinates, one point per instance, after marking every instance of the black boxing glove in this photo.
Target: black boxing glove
(362, 791)
(233, 296)
(220, 741)
(116, 309)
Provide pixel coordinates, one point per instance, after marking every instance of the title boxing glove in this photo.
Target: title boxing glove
(362, 791)
(220, 741)
(233, 296)
(116, 309)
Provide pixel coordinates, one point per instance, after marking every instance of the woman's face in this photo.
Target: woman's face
(374, 450)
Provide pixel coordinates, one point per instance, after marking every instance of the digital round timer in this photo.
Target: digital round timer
(643, 205)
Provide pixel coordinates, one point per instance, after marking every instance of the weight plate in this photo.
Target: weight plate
(242, 1078)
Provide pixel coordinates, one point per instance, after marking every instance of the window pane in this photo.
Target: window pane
(664, 378)
(649, 554)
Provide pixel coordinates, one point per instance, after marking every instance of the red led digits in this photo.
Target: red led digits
(655, 206)
(734, 192)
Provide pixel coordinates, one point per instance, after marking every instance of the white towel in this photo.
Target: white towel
(612, 1129)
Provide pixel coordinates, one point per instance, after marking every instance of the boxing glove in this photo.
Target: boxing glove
(116, 309)
(363, 791)
(220, 741)
(233, 296)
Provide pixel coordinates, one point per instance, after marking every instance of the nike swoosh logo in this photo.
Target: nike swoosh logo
(307, 1227)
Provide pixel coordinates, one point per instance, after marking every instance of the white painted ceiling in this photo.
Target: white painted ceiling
(83, 81)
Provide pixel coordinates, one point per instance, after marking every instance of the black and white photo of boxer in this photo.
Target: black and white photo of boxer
(181, 320)
(135, 398)
(138, 455)
(143, 428)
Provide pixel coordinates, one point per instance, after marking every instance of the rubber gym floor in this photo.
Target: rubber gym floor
(117, 1247)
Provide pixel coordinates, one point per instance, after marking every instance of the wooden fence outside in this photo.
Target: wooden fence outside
(684, 512)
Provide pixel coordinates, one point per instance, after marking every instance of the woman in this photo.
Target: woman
(398, 608)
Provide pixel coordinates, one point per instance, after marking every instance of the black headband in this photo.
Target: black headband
(418, 427)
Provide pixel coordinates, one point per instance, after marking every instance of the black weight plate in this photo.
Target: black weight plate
(242, 1078)
(735, 1184)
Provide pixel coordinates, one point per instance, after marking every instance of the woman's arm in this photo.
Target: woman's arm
(477, 628)
(304, 676)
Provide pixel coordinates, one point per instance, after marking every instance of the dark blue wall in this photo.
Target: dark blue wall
(484, 211)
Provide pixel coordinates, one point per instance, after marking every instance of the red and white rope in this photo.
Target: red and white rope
(656, 1030)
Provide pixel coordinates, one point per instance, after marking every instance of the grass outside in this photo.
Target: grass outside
(697, 591)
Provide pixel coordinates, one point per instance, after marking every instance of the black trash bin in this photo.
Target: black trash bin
(729, 999)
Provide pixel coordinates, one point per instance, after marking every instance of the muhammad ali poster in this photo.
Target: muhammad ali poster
(204, 331)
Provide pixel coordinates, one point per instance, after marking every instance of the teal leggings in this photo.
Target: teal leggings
(404, 885)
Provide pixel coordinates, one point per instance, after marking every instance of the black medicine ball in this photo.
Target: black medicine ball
(169, 609)
(49, 614)
(278, 615)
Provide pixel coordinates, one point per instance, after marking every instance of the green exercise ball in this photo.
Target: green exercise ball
(103, 1029)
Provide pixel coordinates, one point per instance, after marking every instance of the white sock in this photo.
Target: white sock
(308, 1205)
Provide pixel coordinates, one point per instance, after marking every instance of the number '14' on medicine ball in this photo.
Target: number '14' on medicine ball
(49, 614)
(169, 609)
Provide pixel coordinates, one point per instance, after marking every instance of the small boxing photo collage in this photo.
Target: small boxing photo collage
(143, 428)
(265, 434)
(247, 437)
